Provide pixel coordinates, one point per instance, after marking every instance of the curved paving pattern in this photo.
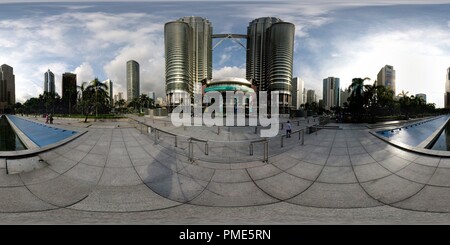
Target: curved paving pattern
(121, 170)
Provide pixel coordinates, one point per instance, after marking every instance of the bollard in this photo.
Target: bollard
(281, 126)
(266, 151)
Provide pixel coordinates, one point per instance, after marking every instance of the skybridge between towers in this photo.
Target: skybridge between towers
(234, 37)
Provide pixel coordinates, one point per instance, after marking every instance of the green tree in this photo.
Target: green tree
(357, 99)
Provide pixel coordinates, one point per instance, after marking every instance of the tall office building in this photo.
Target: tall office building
(49, 82)
(152, 95)
(188, 51)
(331, 92)
(386, 77)
(423, 97)
(7, 87)
(447, 90)
(270, 53)
(310, 96)
(109, 90)
(132, 80)
(69, 90)
(298, 87)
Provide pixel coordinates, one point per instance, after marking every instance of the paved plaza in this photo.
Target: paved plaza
(117, 173)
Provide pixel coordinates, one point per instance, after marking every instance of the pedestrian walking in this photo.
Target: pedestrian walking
(288, 129)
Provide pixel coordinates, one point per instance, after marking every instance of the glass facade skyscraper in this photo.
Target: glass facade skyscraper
(386, 77)
(188, 50)
(132, 80)
(49, 82)
(331, 92)
(270, 54)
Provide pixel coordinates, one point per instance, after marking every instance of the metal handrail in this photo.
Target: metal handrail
(266, 148)
(301, 132)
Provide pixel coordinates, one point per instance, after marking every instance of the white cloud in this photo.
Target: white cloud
(85, 73)
(229, 71)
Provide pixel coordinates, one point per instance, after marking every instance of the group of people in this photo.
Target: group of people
(49, 118)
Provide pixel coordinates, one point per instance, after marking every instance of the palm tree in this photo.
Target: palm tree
(99, 89)
(144, 100)
(405, 102)
(356, 98)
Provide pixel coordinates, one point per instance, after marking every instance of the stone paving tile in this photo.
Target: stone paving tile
(123, 199)
(370, 172)
(233, 194)
(321, 150)
(61, 191)
(339, 151)
(119, 177)
(381, 155)
(38, 176)
(444, 163)
(286, 163)
(263, 171)
(338, 161)
(61, 164)
(197, 172)
(391, 189)
(431, 198)
(283, 186)
(337, 175)
(361, 159)
(48, 155)
(8, 180)
(428, 161)
(316, 158)
(355, 150)
(305, 170)
(84, 147)
(75, 155)
(335, 196)
(416, 172)
(394, 163)
(2, 163)
(85, 172)
(94, 160)
(118, 161)
(177, 187)
(441, 177)
(231, 176)
(20, 199)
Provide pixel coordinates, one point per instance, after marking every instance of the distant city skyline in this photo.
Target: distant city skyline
(346, 39)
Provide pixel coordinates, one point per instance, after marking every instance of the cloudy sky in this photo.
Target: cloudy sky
(345, 39)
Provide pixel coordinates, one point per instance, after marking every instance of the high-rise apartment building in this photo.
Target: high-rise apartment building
(344, 95)
(386, 77)
(310, 96)
(331, 92)
(298, 88)
(69, 90)
(7, 87)
(109, 90)
(49, 82)
(132, 80)
(270, 53)
(188, 51)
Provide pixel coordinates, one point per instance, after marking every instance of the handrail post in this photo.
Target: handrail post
(155, 131)
(251, 149)
(191, 151)
(206, 148)
(282, 136)
(281, 126)
(298, 123)
(141, 128)
(176, 144)
(256, 129)
(218, 130)
(316, 129)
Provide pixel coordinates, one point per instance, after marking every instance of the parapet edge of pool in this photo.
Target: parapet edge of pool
(416, 149)
(34, 151)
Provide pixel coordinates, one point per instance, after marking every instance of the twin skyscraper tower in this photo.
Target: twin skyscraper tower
(269, 57)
